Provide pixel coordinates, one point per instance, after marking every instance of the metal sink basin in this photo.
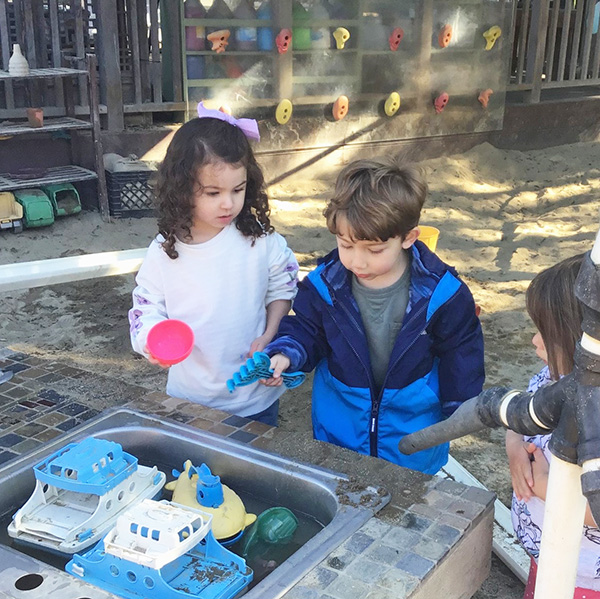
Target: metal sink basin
(261, 479)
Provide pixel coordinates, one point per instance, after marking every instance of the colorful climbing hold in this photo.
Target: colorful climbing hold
(491, 36)
(283, 112)
(392, 104)
(340, 108)
(341, 36)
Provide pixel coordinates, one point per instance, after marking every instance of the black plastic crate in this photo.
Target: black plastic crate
(130, 193)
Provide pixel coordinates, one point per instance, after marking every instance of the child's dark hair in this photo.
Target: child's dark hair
(556, 312)
(198, 142)
(380, 198)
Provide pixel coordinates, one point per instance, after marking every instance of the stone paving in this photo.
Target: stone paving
(433, 537)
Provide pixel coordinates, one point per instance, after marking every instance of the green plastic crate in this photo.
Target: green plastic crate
(64, 198)
(37, 208)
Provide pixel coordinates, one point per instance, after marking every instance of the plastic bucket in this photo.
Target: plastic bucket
(170, 341)
(429, 236)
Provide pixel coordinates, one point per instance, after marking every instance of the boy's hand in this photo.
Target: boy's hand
(279, 363)
(519, 461)
(153, 360)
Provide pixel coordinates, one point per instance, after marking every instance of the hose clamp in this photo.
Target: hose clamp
(504, 406)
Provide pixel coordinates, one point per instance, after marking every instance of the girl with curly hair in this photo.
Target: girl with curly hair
(217, 264)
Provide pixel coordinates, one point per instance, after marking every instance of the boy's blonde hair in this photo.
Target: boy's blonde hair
(380, 198)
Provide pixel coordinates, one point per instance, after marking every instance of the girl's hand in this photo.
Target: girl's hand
(540, 468)
(260, 343)
(153, 360)
(279, 363)
(520, 465)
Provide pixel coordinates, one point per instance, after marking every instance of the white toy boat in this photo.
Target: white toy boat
(163, 550)
(80, 492)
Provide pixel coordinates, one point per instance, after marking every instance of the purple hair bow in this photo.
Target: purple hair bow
(249, 127)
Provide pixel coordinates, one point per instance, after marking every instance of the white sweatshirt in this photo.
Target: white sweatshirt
(221, 289)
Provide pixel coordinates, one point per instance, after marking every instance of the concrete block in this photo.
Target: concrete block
(348, 588)
(385, 554)
(415, 564)
(367, 570)
(462, 571)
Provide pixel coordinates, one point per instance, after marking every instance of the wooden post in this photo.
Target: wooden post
(282, 19)
(536, 48)
(111, 91)
(588, 25)
(34, 94)
(29, 33)
(92, 63)
(156, 67)
(173, 6)
(134, 44)
(80, 25)
(5, 49)
(143, 36)
(579, 9)
(56, 51)
(423, 83)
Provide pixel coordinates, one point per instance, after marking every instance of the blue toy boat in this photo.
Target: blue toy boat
(162, 550)
(80, 492)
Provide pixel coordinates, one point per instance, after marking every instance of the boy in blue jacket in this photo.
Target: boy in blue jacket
(390, 328)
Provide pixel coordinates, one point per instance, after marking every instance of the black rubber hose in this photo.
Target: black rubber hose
(484, 411)
(463, 421)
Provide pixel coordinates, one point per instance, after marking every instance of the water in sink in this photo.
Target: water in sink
(261, 565)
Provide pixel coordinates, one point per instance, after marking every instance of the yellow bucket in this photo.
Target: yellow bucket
(429, 236)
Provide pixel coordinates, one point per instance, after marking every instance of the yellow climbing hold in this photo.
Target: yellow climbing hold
(392, 104)
(283, 113)
(341, 35)
(491, 36)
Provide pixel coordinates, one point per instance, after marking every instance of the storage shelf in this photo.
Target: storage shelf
(53, 175)
(238, 81)
(316, 23)
(50, 125)
(325, 50)
(231, 53)
(234, 23)
(384, 52)
(227, 23)
(322, 78)
(41, 73)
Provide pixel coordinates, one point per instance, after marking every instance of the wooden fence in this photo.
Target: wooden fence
(127, 37)
(555, 43)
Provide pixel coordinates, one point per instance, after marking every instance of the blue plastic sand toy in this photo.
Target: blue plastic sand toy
(259, 367)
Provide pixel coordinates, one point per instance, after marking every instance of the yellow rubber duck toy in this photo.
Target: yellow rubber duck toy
(200, 489)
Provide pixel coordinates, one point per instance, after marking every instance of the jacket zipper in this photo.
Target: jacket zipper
(377, 403)
(367, 370)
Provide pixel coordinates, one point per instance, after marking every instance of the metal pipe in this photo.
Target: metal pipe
(24, 275)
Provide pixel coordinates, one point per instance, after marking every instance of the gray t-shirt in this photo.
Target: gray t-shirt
(382, 312)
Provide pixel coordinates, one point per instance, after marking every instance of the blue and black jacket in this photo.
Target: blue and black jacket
(435, 365)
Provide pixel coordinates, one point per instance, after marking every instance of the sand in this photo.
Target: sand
(503, 216)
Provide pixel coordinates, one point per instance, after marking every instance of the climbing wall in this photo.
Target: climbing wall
(317, 72)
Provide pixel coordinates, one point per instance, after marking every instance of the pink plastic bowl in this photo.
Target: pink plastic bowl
(170, 341)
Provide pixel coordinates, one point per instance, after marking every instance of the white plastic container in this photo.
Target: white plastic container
(18, 65)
